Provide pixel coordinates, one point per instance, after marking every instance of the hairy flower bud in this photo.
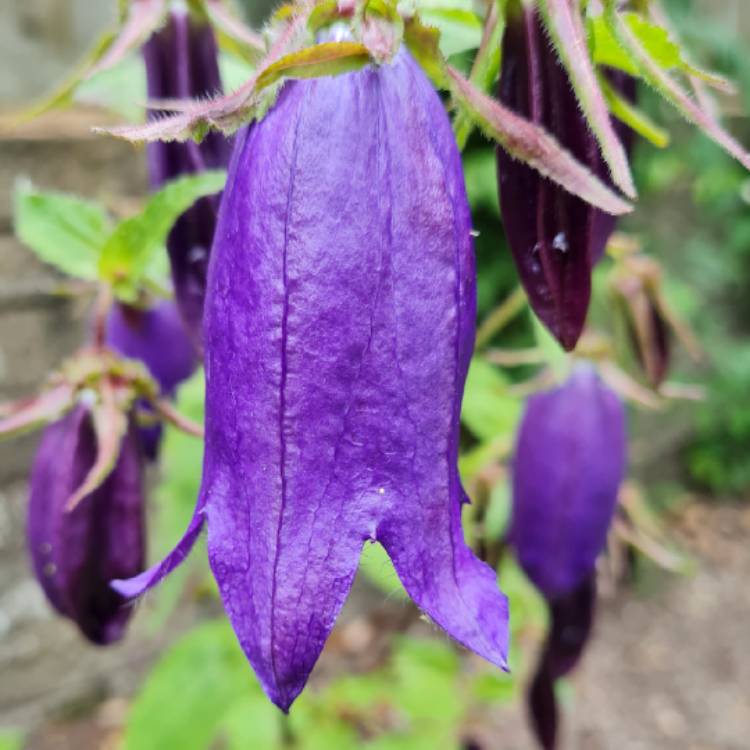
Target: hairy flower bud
(339, 327)
(567, 469)
(182, 63)
(568, 466)
(554, 236)
(76, 553)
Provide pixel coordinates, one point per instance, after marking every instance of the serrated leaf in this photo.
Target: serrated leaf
(565, 27)
(488, 409)
(191, 692)
(62, 230)
(533, 145)
(130, 249)
(650, 70)
(656, 41)
(633, 117)
(327, 59)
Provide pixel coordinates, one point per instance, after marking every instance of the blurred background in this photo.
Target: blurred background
(668, 666)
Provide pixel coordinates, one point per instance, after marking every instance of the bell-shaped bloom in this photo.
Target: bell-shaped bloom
(339, 327)
(568, 466)
(554, 236)
(182, 63)
(77, 552)
(567, 469)
(156, 336)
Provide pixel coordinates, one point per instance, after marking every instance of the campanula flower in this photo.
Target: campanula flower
(554, 236)
(339, 327)
(568, 465)
(75, 553)
(182, 63)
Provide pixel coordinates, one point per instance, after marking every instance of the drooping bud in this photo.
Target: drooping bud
(182, 63)
(339, 328)
(555, 237)
(157, 337)
(568, 466)
(636, 283)
(77, 552)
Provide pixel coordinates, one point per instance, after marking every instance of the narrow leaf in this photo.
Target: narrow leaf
(483, 71)
(28, 414)
(64, 231)
(110, 426)
(328, 59)
(144, 17)
(633, 117)
(531, 144)
(651, 72)
(130, 249)
(565, 27)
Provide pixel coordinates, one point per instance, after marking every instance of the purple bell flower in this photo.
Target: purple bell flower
(158, 338)
(181, 63)
(569, 463)
(76, 553)
(339, 327)
(554, 236)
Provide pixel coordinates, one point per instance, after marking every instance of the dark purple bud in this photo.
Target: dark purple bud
(158, 338)
(339, 328)
(571, 620)
(554, 236)
(182, 63)
(569, 462)
(76, 553)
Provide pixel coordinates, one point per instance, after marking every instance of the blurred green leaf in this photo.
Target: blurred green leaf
(131, 248)
(192, 692)
(377, 567)
(10, 740)
(460, 27)
(489, 411)
(64, 231)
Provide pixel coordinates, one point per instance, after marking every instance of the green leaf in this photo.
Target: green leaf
(656, 42)
(423, 42)
(10, 740)
(328, 59)
(192, 691)
(377, 567)
(64, 231)
(460, 27)
(652, 72)
(489, 411)
(633, 117)
(130, 249)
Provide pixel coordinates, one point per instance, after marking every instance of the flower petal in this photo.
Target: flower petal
(339, 325)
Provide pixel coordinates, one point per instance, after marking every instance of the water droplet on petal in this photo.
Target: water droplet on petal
(560, 242)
